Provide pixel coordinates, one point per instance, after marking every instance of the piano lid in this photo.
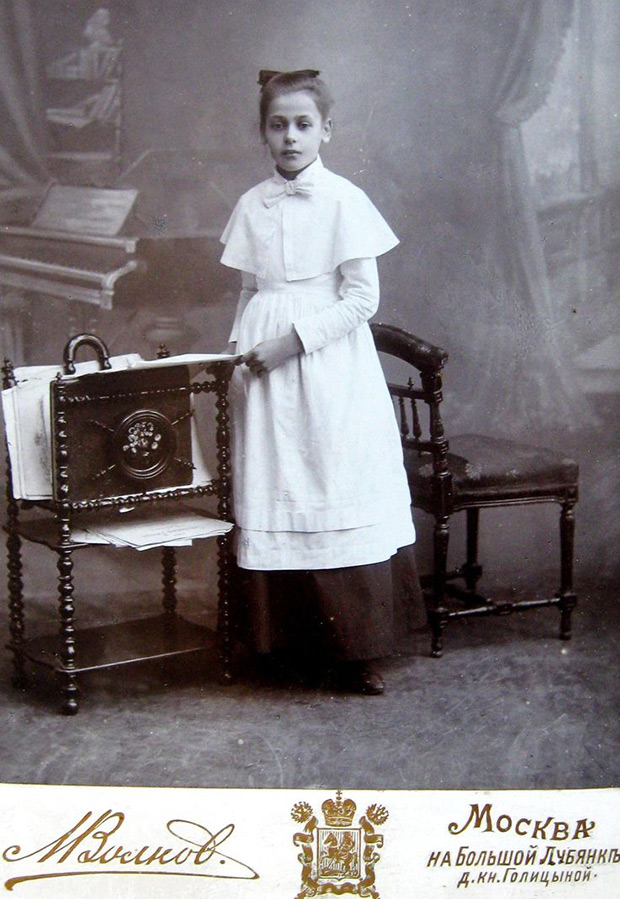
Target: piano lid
(154, 238)
(85, 210)
(71, 250)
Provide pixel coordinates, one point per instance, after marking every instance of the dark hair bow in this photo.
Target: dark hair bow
(266, 75)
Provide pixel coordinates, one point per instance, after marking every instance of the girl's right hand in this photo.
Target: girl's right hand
(271, 353)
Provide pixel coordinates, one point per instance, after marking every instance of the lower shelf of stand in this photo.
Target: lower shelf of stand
(141, 640)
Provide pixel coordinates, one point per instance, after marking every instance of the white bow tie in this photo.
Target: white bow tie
(286, 189)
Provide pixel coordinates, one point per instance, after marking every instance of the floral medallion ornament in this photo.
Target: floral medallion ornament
(338, 858)
(145, 444)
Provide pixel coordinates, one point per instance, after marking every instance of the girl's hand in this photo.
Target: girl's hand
(270, 353)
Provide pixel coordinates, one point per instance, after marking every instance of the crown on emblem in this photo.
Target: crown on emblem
(339, 813)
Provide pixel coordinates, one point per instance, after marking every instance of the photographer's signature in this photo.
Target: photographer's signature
(92, 846)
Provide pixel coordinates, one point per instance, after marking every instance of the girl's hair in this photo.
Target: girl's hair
(273, 84)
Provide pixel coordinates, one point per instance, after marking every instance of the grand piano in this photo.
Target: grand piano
(152, 238)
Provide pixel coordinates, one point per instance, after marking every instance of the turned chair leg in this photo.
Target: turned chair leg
(438, 613)
(568, 599)
(472, 571)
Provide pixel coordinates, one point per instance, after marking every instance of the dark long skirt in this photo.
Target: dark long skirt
(355, 613)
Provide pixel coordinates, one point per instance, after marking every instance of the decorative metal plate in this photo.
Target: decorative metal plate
(125, 432)
(145, 444)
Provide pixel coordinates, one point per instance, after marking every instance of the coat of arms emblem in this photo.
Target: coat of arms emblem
(339, 857)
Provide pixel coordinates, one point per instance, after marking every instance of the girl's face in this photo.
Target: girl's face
(295, 130)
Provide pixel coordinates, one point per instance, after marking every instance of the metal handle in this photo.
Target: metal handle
(78, 341)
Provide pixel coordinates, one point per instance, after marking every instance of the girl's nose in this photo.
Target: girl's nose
(289, 137)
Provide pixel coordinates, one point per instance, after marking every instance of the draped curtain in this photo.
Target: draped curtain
(22, 150)
(499, 313)
(526, 81)
(23, 143)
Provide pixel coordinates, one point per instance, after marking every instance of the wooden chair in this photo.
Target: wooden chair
(470, 472)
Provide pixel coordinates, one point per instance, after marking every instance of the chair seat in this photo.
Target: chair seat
(492, 469)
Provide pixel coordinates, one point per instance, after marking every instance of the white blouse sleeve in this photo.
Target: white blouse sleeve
(248, 289)
(359, 301)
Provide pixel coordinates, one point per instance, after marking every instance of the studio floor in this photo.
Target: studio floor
(508, 706)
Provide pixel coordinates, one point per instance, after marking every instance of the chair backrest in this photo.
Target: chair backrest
(427, 362)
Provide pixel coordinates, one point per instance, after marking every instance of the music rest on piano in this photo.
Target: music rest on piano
(78, 247)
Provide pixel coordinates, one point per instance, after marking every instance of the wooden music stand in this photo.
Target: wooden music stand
(120, 439)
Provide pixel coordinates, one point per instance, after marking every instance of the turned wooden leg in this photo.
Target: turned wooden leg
(169, 579)
(16, 609)
(568, 599)
(223, 617)
(472, 571)
(224, 636)
(438, 613)
(70, 690)
(14, 564)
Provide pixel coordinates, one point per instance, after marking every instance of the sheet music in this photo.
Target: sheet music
(199, 359)
(26, 410)
(143, 529)
(27, 428)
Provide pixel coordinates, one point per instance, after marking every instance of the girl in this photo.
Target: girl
(321, 498)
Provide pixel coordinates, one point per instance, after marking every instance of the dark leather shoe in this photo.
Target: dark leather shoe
(360, 677)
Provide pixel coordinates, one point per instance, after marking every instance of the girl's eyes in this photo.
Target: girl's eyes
(279, 126)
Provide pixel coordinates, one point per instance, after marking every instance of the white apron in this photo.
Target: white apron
(318, 476)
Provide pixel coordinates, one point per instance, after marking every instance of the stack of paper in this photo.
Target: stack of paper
(192, 359)
(26, 410)
(145, 528)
